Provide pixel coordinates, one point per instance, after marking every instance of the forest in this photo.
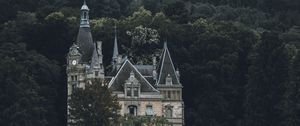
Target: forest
(239, 60)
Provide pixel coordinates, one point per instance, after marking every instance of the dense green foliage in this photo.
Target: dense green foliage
(93, 106)
(239, 59)
(29, 84)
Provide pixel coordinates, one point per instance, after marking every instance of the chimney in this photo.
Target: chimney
(154, 72)
(154, 62)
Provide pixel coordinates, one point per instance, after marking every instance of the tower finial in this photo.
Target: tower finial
(165, 44)
(84, 21)
(115, 28)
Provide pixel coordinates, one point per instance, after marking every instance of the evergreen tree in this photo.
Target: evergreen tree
(267, 76)
(290, 104)
(95, 105)
(28, 88)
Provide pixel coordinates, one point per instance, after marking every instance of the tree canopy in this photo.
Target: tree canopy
(94, 105)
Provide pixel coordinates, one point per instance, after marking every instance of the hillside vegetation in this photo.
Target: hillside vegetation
(238, 59)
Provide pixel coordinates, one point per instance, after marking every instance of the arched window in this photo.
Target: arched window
(84, 15)
(168, 112)
(169, 80)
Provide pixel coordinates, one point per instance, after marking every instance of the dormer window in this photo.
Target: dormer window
(132, 86)
(169, 80)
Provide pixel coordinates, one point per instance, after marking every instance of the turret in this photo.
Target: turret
(84, 37)
(73, 58)
(97, 69)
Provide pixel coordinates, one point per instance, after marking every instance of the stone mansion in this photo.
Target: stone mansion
(153, 89)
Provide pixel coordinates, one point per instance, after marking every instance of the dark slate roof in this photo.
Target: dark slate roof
(85, 42)
(107, 80)
(145, 70)
(117, 83)
(151, 80)
(166, 67)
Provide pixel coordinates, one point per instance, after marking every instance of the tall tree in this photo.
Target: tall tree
(290, 104)
(267, 76)
(95, 105)
(28, 87)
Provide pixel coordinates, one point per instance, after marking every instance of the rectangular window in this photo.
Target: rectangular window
(96, 73)
(135, 92)
(128, 91)
(75, 77)
(168, 112)
(169, 95)
(132, 110)
(149, 110)
(74, 85)
(174, 95)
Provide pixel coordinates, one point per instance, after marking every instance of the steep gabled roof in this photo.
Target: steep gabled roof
(166, 67)
(117, 83)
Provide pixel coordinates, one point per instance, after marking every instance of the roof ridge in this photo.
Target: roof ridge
(136, 70)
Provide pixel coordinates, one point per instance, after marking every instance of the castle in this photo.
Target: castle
(148, 90)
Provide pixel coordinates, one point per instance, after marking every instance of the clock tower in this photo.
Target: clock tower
(73, 59)
(141, 89)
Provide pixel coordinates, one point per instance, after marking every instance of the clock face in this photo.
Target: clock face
(74, 62)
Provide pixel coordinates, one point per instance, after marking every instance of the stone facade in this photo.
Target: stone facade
(142, 90)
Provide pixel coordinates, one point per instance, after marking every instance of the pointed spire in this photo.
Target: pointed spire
(115, 51)
(166, 68)
(95, 57)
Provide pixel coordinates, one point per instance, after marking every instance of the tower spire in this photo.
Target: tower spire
(115, 51)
